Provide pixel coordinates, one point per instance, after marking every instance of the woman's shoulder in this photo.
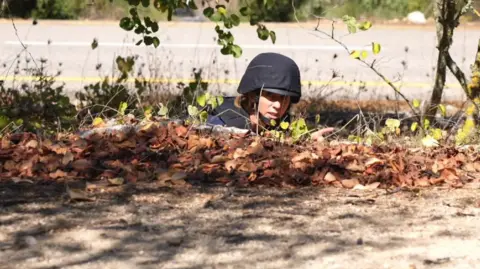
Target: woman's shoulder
(228, 114)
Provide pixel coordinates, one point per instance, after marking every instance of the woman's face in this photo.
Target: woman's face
(272, 105)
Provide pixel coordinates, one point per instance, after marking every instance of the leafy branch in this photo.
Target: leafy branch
(353, 26)
(217, 13)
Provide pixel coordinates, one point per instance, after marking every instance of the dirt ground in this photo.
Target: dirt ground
(146, 226)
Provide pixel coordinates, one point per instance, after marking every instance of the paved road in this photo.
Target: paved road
(191, 45)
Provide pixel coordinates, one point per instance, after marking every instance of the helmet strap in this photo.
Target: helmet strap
(263, 118)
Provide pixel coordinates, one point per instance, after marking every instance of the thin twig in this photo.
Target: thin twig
(18, 37)
(371, 66)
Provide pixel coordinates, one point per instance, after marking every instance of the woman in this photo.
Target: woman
(268, 88)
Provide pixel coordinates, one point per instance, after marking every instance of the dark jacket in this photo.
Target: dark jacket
(228, 115)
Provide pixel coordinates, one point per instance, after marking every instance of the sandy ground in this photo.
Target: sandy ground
(145, 226)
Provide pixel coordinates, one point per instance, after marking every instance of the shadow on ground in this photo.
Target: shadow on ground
(145, 226)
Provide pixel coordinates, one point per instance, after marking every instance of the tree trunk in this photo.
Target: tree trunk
(446, 21)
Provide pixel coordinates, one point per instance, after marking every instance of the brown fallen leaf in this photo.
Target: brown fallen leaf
(476, 165)
(422, 182)
(5, 143)
(436, 181)
(219, 159)
(231, 165)
(239, 153)
(469, 167)
(350, 183)
(147, 128)
(449, 174)
(59, 148)
(329, 177)
(371, 186)
(304, 156)
(67, 158)
(355, 166)
(116, 180)
(78, 194)
(10, 165)
(58, 174)
(373, 161)
(247, 167)
(181, 130)
(256, 148)
(32, 144)
(82, 164)
(128, 143)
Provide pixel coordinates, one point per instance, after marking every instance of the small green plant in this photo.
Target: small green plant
(206, 102)
(40, 106)
(105, 99)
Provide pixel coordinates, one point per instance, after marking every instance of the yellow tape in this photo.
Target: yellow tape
(233, 81)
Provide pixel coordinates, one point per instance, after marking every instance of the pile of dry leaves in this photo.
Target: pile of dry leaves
(176, 155)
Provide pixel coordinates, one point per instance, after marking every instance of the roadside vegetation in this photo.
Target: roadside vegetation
(114, 129)
(282, 11)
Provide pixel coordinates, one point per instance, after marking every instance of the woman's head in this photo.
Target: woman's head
(270, 84)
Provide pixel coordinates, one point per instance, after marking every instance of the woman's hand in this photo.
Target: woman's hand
(318, 135)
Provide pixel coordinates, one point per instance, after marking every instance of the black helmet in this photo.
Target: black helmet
(275, 73)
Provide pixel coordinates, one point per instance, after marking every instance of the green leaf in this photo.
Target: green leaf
(18, 122)
(202, 100)
(208, 12)
(376, 48)
(429, 141)
(443, 110)
(365, 25)
(416, 103)
(216, 17)
(426, 123)
(154, 26)
(97, 121)
(414, 126)
(284, 125)
(392, 124)
(220, 100)
(244, 11)
(351, 23)
(273, 36)
(222, 10)
(133, 12)
(192, 110)
(203, 116)
(262, 32)
(156, 41)
(235, 20)
(94, 44)
(122, 107)
(352, 28)
(364, 54)
(148, 112)
(134, 2)
(355, 54)
(148, 40)
(3, 121)
(163, 110)
(126, 23)
(437, 134)
(145, 3)
(237, 51)
(317, 118)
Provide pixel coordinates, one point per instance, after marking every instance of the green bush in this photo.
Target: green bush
(37, 106)
(385, 9)
(18, 8)
(59, 9)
